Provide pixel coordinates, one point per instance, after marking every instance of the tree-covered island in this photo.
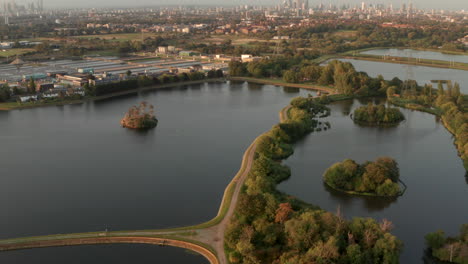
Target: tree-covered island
(140, 117)
(378, 178)
(377, 115)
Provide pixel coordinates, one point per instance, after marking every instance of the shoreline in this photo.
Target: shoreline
(285, 84)
(364, 194)
(422, 63)
(110, 95)
(357, 55)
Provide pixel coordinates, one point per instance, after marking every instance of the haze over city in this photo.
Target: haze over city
(421, 4)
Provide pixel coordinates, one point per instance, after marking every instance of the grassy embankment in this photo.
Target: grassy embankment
(14, 52)
(281, 82)
(412, 61)
(357, 55)
(369, 194)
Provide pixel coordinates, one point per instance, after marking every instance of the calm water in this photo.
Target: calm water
(421, 74)
(74, 169)
(418, 54)
(437, 188)
(115, 254)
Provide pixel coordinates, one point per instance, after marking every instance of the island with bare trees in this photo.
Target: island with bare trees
(140, 117)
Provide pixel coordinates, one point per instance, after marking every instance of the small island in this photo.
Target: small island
(140, 117)
(449, 249)
(378, 178)
(373, 115)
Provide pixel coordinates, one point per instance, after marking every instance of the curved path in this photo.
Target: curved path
(206, 238)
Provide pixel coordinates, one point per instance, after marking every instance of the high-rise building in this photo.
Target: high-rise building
(296, 4)
(410, 10)
(5, 12)
(363, 6)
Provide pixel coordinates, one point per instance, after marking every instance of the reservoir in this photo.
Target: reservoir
(418, 54)
(74, 169)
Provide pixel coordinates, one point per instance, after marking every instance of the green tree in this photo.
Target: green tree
(290, 76)
(5, 93)
(435, 240)
(31, 86)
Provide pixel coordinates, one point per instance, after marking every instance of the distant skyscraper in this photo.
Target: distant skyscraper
(410, 10)
(363, 6)
(296, 4)
(5, 12)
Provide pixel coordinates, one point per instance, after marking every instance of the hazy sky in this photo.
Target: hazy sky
(425, 4)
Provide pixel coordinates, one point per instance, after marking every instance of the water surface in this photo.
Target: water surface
(418, 54)
(437, 188)
(74, 169)
(421, 74)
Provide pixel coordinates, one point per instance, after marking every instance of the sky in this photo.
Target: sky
(423, 4)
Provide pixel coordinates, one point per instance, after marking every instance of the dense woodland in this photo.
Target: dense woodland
(342, 76)
(378, 178)
(451, 249)
(270, 227)
(377, 115)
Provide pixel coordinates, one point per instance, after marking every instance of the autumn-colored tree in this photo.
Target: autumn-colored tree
(283, 212)
(141, 117)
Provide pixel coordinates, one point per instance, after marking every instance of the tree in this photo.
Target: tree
(435, 240)
(290, 76)
(283, 212)
(5, 93)
(211, 74)
(31, 86)
(219, 73)
(89, 89)
(327, 251)
(237, 68)
(391, 91)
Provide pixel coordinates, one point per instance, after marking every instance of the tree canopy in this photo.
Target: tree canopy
(376, 178)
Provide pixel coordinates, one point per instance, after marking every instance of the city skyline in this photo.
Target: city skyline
(420, 4)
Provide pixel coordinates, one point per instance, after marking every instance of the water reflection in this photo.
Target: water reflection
(344, 107)
(427, 258)
(109, 101)
(372, 204)
(291, 90)
(254, 86)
